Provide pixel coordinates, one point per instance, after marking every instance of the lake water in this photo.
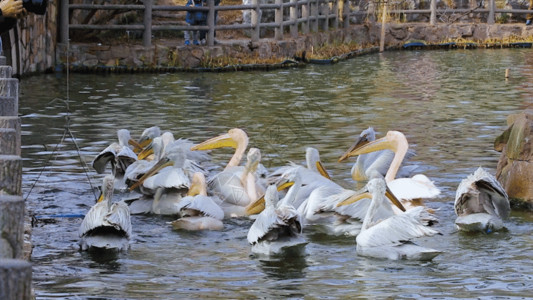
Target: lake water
(451, 105)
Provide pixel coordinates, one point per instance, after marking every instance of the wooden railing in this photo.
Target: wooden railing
(301, 16)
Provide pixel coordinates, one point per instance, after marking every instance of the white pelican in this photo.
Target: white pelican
(387, 235)
(106, 225)
(197, 210)
(236, 186)
(409, 190)
(374, 164)
(168, 181)
(277, 227)
(120, 155)
(481, 203)
(312, 159)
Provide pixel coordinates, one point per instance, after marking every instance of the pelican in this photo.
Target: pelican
(197, 210)
(168, 181)
(481, 203)
(120, 155)
(388, 235)
(312, 159)
(236, 186)
(106, 225)
(278, 226)
(409, 190)
(374, 164)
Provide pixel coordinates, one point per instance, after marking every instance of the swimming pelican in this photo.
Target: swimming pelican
(388, 235)
(278, 226)
(106, 225)
(236, 186)
(312, 159)
(374, 164)
(481, 203)
(409, 190)
(197, 210)
(120, 155)
(167, 181)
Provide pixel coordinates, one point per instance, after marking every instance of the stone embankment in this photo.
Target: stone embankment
(515, 167)
(172, 55)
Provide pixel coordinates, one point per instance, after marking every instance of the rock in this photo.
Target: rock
(515, 167)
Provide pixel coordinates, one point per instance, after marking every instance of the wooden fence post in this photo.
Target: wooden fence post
(325, 11)
(211, 23)
(336, 11)
(314, 13)
(305, 15)
(278, 19)
(255, 20)
(346, 15)
(15, 273)
(492, 6)
(147, 22)
(293, 13)
(433, 16)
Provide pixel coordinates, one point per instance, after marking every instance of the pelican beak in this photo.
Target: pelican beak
(360, 142)
(259, 204)
(100, 198)
(145, 152)
(355, 198)
(393, 199)
(367, 147)
(164, 162)
(220, 141)
(136, 146)
(322, 170)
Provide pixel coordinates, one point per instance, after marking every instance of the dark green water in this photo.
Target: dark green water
(451, 105)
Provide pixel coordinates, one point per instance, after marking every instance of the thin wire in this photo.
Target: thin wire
(65, 132)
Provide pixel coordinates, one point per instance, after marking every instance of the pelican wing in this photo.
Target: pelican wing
(94, 218)
(168, 177)
(104, 157)
(396, 230)
(119, 217)
(265, 221)
(481, 193)
(203, 204)
(228, 187)
(416, 187)
(125, 157)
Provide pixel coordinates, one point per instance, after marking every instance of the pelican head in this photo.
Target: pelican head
(368, 135)
(287, 180)
(393, 140)
(233, 138)
(108, 185)
(253, 158)
(148, 135)
(271, 196)
(312, 158)
(374, 187)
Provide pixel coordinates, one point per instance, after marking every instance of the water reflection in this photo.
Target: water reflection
(449, 104)
(290, 264)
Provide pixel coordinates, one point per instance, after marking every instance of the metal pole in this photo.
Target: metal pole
(147, 21)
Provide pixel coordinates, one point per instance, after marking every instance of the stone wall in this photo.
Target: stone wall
(30, 46)
(164, 54)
